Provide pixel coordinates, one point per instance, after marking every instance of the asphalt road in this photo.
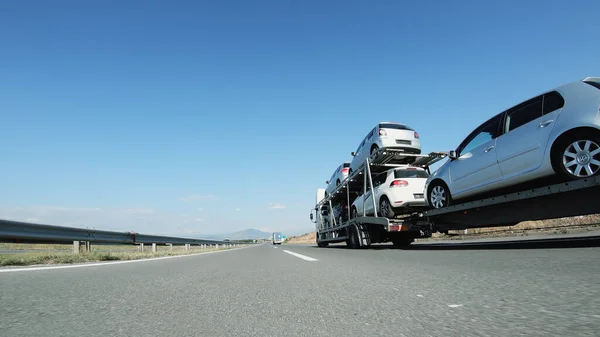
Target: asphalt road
(264, 291)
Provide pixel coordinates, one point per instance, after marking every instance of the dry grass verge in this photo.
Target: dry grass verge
(36, 258)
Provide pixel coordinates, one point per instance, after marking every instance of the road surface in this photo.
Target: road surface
(290, 290)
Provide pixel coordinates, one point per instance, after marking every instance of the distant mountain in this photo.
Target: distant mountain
(248, 234)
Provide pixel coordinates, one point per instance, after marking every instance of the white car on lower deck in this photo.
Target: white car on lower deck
(397, 191)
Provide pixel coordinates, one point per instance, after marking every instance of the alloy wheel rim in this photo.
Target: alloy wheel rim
(582, 158)
(438, 197)
(384, 208)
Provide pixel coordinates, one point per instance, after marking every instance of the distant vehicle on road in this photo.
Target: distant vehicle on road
(555, 133)
(277, 239)
(386, 135)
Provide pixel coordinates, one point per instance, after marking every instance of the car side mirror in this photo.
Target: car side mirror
(311, 216)
(353, 154)
(452, 155)
(327, 182)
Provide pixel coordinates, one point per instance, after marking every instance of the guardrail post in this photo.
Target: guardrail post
(88, 246)
(170, 246)
(154, 247)
(75, 247)
(141, 247)
(217, 245)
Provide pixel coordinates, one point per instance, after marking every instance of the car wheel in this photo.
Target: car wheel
(577, 156)
(354, 213)
(385, 208)
(374, 150)
(438, 195)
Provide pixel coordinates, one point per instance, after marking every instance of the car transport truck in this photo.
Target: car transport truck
(549, 201)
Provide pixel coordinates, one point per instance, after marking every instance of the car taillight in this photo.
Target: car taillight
(416, 135)
(345, 170)
(399, 183)
(382, 132)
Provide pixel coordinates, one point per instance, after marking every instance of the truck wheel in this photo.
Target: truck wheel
(353, 240)
(438, 195)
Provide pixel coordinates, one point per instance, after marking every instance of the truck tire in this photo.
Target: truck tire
(353, 240)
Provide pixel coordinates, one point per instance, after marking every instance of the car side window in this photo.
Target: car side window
(552, 102)
(485, 133)
(523, 113)
(360, 145)
(379, 179)
(370, 134)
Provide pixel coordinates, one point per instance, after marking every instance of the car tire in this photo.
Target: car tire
(577, 156)
(353, 213)
(385, 208)
(374, 149)
(438, 195)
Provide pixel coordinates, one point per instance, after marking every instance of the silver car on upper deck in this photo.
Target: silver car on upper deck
(386, 135)
(555, 133)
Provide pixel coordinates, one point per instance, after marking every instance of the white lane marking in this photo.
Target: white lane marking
(303, 257)
(98, 264)
(455, 305)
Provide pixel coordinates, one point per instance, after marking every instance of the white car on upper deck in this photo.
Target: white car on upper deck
(386, 135)
(397, 191)
(555, 133)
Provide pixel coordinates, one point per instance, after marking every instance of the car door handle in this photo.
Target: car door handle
(546, 123)
(488, 149)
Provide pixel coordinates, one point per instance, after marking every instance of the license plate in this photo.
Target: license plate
(418, 196)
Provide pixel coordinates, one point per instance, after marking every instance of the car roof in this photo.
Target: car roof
(405, 167)
(397, 123)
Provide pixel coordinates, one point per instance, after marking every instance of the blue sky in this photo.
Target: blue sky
(198, 117)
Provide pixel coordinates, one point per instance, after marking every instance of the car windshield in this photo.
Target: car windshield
(410, 173)
(394, 126)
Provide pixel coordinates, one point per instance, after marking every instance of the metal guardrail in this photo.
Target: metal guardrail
(14, 231)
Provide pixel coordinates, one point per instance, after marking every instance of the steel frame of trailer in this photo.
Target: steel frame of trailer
(558, 200)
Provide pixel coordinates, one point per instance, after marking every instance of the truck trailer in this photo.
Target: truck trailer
(548, 201)
(277, 238)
